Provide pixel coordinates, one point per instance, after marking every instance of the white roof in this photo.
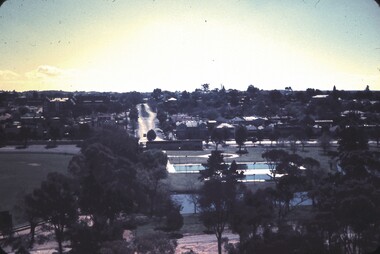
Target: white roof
(226, 125)
(320, 96)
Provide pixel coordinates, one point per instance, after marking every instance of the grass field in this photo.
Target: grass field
(20, 173)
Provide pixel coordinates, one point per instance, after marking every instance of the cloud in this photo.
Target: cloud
(7, 75)
(45, 72)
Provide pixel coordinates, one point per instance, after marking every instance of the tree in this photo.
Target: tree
(151, 135)
(117, 140)
(156, 94)
(87, 238)
(205, 87)
(325, 142)
(347, 213)
(31, 210)
(174, 218)
(151, 172)
(293, 181)
(117, 247)
(24, 134)
(217, 137)
(240, 136)
(155, 243)
(218, 195)
(54, 134)
(273, 136)
(116, 178)
(293, 143)
(107, 183)
(192, 185)
(273, 158)
(214, 167)
(134, 114)
(352, 139)
(106, 173)
(254, 211)
(161, 116)
(216, 201)
(57, 204)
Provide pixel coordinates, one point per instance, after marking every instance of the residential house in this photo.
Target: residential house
(191, 130)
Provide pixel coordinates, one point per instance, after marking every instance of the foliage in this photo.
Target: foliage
(150, 173)
(348, 212)
(55, 202)
(88, 238)
(133, 114)
(214, 167)
(255, 211)
(174, 218)
(116, 140)
(107, 183)
(240, 136)
(273, 158)
(352, 139)
(217, 201)
(24, 134)
(217, 137)
(325, 142)
(155, 243)
(151, 135)
(117, 247)
(218, 195)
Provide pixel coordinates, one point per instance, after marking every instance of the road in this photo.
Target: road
(146, 121)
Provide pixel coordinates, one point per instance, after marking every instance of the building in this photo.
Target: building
(191, 130)
(58, 107)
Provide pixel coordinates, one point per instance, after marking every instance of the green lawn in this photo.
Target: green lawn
(20, 173)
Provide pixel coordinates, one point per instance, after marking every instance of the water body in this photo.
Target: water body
(253, 171)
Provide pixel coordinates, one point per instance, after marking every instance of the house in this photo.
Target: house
(92, 101)
(254, 120)
(58, 107)
(191, 130)
(227, 130)
(324, 123)
(237, 121)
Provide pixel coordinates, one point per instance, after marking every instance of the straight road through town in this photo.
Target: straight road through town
(147, 121)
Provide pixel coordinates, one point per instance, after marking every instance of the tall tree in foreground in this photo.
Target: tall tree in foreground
(107, 184)
(57, 204)
(151, 172)
(254, 214)
(218, 195)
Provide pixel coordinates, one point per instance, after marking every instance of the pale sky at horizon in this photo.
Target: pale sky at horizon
(121, 46)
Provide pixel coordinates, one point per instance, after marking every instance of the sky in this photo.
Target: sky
(176, 45)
